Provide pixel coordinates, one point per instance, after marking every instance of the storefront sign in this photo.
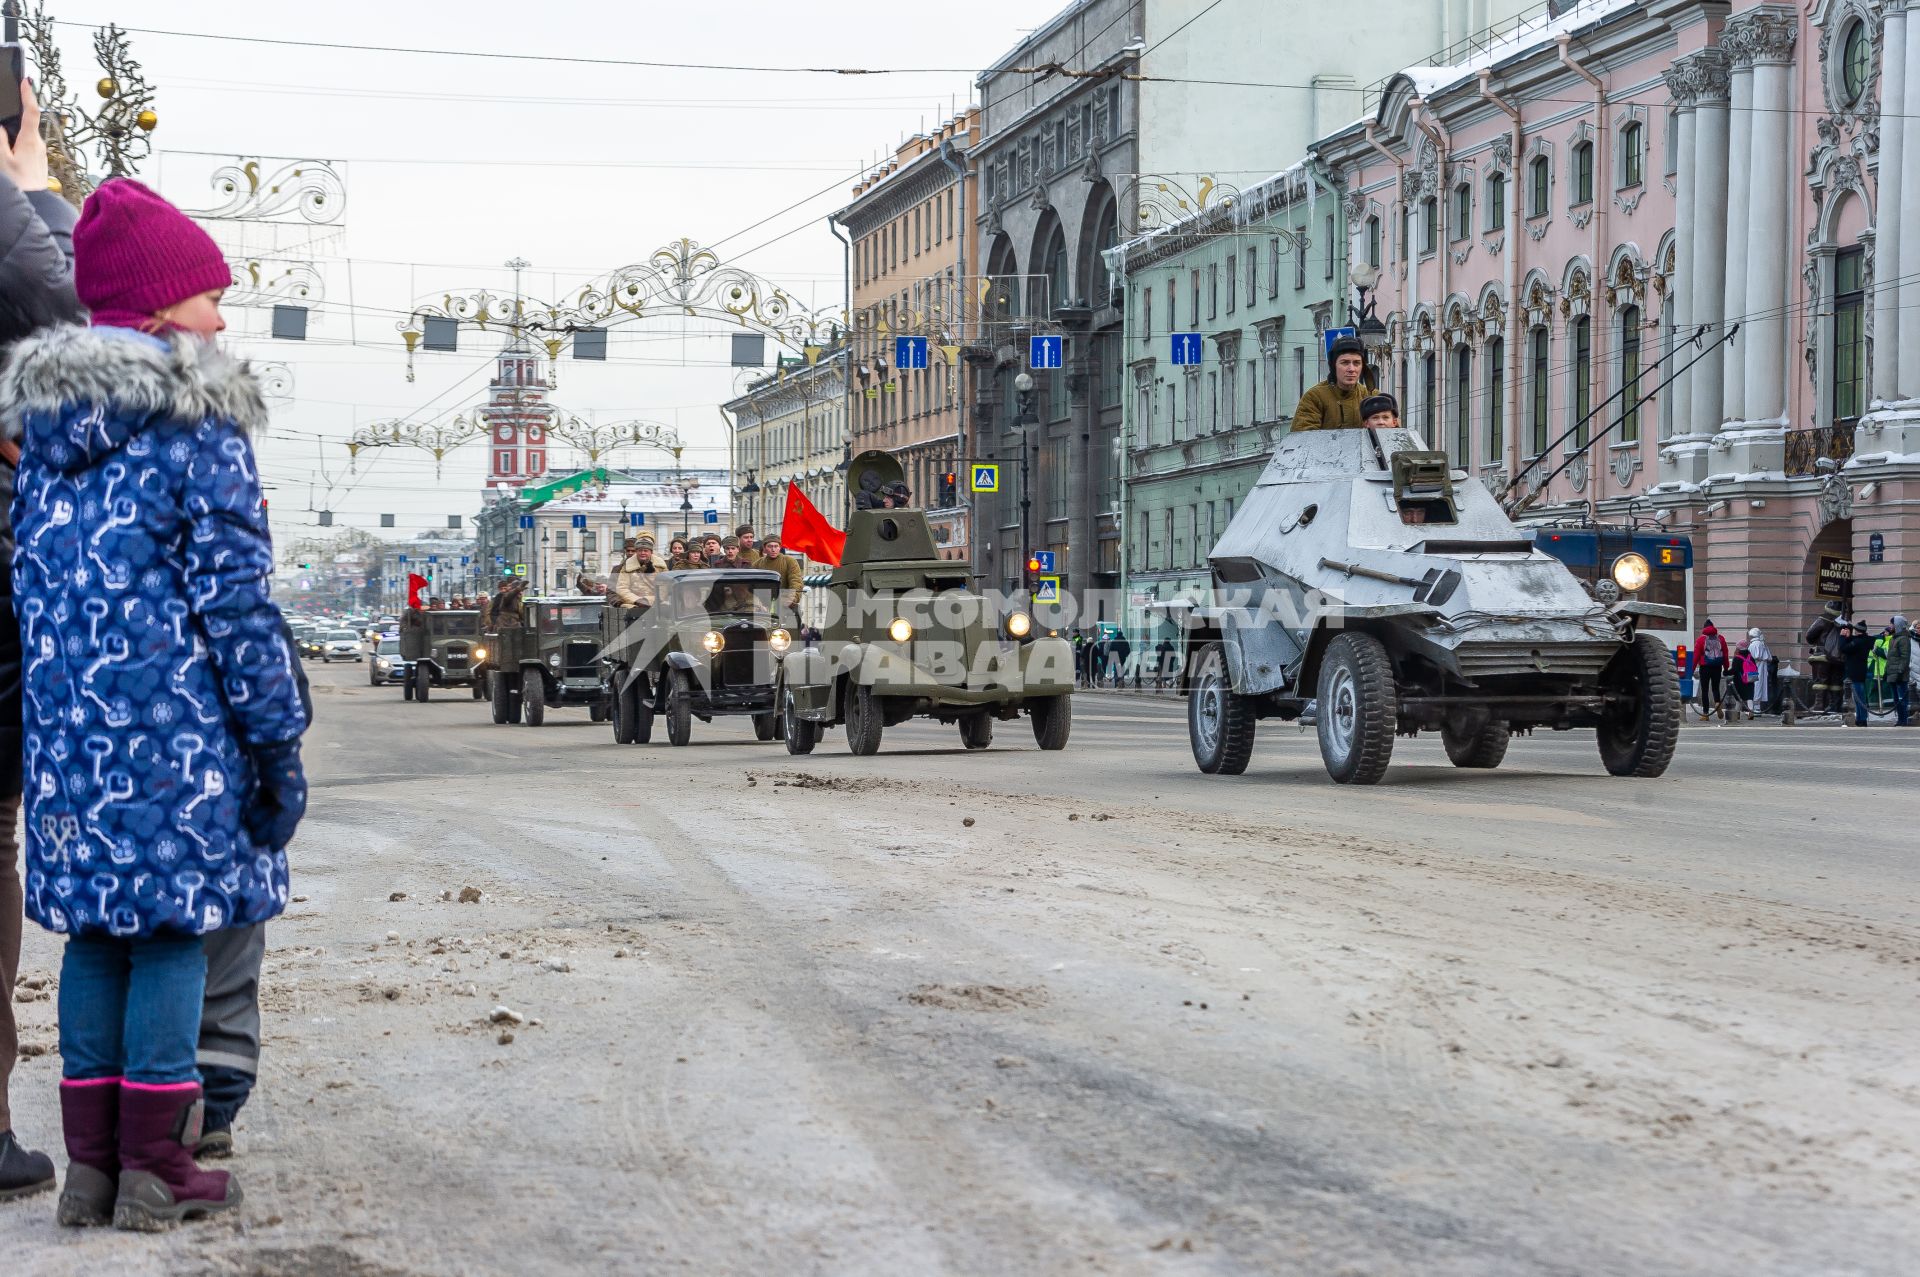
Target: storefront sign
(1834, 578)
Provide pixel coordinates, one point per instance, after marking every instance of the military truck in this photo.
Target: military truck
(552, 660)
(905, 636)
(1367, 582)
(445, 649)
(706, 649)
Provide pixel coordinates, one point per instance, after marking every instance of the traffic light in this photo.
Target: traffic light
(949, 489)
(1033, 566)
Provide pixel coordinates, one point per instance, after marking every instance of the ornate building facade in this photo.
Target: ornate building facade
(790, 430)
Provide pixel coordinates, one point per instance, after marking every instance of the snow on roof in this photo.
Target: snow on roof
(1530, 32)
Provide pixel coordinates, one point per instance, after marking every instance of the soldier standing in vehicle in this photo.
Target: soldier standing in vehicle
(750, 552)
(508, 611)
(1334, 404)
(635, 585)
(775, 559)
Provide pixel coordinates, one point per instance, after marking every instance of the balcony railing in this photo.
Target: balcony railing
(1806, 448)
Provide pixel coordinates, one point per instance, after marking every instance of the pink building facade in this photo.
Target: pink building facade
(1555, 219)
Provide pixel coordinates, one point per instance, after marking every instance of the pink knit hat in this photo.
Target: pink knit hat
(135, 254)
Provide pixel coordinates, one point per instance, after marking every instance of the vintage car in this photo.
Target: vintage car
(706, 649)
(445, 649)
(552, 660)
(1366, 582)
(905, 636)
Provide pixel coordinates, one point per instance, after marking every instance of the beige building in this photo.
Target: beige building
(912, 271)
(789, 430)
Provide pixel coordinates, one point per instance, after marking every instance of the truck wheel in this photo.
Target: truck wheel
(622, 699)
(865, 721)
(1220, 721)
(976, 731)
(800, 734)
(534, 699)
(1358, 711)
(480, 687)
(510, 688)
(1483, 745)
(679, 708)
(422, 683)
(406, 689)
(766, 726)
(499, 706)
(1052, 721)
(597, 712)
(642, 714)
(1637, 735)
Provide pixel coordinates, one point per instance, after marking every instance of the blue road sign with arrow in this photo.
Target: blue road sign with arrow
(1335, 334)
(711, 516)
(526, 521)
(1186, 348)
(579, 520)
(909, 353)
(637, 519)
(1046, 352)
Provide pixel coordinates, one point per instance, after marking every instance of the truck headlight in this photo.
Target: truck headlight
(901, 630)
(779, 641)
(554, 660)
(713, 641)
(1019, 625)
(1631, 572)
(479, 653)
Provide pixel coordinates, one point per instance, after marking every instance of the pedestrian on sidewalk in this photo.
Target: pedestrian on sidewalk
(1900, 669)
(180, 708)
(1711, 654)
(36, 290)
(1856, 646)
(1744, 674)
(1764, 665)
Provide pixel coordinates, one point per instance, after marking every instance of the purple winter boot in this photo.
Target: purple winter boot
(90, 1117)
(159, 1184)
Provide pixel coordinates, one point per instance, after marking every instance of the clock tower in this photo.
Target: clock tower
(516, 417)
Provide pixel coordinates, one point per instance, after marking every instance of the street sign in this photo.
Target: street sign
(1876, 549)
(433, 558)
(1046, 589)
(909, 353)
(1335, 334)
(519, 569)
(637, 519)
(499, 558)
(1046, 352)
(1043, 560)
(465, 559)
(403, 558)
(579, 520)
(1186, 348)
(985, 478)
(526, 521)
(711, 516)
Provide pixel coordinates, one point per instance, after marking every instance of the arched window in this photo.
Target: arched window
(1462, 212)
(1053, 264)
(1537, 374)
(1583, 173)
(1849, 334)
(1582, 378)
(1856, 64)
(1633, 155)
(1373, 243)
(1630, 390)
(1538, 175)
(1105, 236)
(1497, 202)
(1496, 398)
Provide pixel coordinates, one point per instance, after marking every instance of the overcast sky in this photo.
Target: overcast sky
(456, 164)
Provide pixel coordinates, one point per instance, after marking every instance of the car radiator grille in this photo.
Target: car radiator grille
(1574, 660)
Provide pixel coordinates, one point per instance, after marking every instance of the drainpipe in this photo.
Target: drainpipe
(1602, 164)
(1316, 171)
(846, 317)
(1442, 145)
(950, 156)
(1510, 446)
(1394, 209)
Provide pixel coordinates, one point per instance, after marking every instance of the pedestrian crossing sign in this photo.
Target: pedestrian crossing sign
(1046, 589)
(519, 569)
(986, 478)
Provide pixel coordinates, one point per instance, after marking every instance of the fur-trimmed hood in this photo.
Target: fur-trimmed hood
(76, 394)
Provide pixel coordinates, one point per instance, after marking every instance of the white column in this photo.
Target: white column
(1887, 265)
(1744, 182)
(1709, 237)
(1682, 283)
(1908, 205)
(1768, 253)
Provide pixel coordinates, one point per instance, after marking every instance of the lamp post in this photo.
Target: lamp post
(1372, 333)
(546, 538)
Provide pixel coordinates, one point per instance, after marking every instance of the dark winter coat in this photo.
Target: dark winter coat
(1853, 654)
(157, 663)
(36, 290)
(1824, 634)
(1899, 652)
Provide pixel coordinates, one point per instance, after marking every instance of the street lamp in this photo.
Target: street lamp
(1366, 281)
(1023, 388)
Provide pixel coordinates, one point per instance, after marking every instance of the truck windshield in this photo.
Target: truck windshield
(693, 598)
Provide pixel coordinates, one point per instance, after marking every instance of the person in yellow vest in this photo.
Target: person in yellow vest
(1334, 404)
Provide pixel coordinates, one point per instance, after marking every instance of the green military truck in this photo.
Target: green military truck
(445, 650)
(706, 649)
(905, 636)
(552, 660)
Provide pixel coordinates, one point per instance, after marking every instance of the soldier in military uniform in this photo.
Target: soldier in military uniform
(750, 552)
(508, 611)
(636, 585)
(711, 554)
(730, 554)
(775, 559)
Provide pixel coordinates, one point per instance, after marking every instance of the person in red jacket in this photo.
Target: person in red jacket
(1710, 651)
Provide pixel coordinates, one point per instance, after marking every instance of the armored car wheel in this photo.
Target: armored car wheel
(1639, 730)
(422, 683)
(679, 708)
(1052, 721)
(976, 730)
(766, 726)
(1220, 721)
(800, 734)
(534, 699)
(479, 687)
(1483, 744)
(1358, 711)
(865, 720)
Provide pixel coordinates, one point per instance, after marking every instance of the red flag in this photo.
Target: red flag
(805, 529)
(415, 584)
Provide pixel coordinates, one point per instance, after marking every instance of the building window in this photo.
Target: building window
(1856, 65)
(1538, 176)
(1373, 242)
(1583, 174)
(1213, 290)
(1327, 261)
(1273, 266)
(1537, 377)
(1253, 274)
(1429, 226)
(1496, 399)
(1403, 245)
(1193, 308)
(1630, 373)
(1582, 379)
(1213, 402)
(1463, 406)
(1673, 143)
(1430, 397)
(1849, 335)
(1173, 304)
(1462, 212)
(1233, 282)
(1146, 312)
(1300, 256)
(1633, 152)
(1497, 202)
(560, 539)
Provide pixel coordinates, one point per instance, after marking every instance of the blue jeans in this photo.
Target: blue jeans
(1899, 691)
(131, 1008)
(1859, 702)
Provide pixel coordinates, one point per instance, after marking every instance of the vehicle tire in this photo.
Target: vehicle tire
(1638, 738)
(499, 706)
(1220, 721)
(865, 721)
(406, 689)
(766, 726)
(976, 730)
(510, 688)
(679, 707)
(1359, 709)
(479, 687)
(623, 706)
(422, 683)
(642, 715)
(373, 679)
(1483, 746)
(534, 698)
(597, 712)
(1052, 721)
(800, 734)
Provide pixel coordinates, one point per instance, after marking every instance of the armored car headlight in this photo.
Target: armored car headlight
(901, 630)
(779, 640)
(1019, 625)
(479, 653)
(1631, 572)
(713, 640)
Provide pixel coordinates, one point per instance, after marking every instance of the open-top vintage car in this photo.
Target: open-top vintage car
(445, 649)
(906, 636)
(706, 649)
(551, 660)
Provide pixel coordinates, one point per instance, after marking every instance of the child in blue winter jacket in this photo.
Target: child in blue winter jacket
(162, 724)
